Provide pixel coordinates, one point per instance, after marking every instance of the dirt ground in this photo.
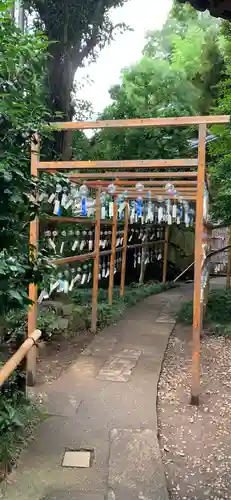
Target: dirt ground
(196, 442)
(55, 357)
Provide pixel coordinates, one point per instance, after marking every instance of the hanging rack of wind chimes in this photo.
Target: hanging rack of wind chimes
(188, 177)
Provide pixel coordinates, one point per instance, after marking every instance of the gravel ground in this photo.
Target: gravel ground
(196, 442)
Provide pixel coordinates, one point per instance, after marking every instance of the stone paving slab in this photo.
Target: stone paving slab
(119, 366)
(130, 474)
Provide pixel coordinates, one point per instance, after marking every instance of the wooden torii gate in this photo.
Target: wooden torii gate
(193, 187)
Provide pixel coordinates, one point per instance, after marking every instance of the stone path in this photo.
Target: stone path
(106, 405)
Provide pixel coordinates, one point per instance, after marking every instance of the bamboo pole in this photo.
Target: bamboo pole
(183, 272)
(18, 356)
(229, 262)
(124, 251)
(113, 253)
(165, 262)
(197, 303)
(33, 292)
(96, 264)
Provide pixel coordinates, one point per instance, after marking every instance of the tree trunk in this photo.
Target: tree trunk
(60, 82)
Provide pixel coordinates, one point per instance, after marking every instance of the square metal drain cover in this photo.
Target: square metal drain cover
(77, 458)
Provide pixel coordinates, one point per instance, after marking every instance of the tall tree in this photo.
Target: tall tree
(78, 31)
(219, 150)
(192, 42)
(149, 88)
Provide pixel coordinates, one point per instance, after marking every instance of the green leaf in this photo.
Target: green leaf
(16, 295)
(7, 176)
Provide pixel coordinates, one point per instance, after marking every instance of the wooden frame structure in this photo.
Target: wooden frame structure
(189, 178)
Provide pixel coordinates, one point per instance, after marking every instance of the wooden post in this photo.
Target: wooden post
(124, 251)
(229, 262)
(165, 262)
(113, 253)
(197, 303)
(96, 264)
(33, 292)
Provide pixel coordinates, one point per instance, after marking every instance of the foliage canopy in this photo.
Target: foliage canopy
(22, 111)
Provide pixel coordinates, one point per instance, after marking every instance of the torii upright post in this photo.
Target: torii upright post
(199, 237)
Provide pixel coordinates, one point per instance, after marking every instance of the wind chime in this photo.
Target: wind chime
(177, 211)
(67, 198)
(205, 264)
(65, 280)
(69, 241)
(161, 211)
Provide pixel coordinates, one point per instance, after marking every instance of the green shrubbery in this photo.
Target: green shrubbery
(109, 314)
(78, 310)
(18, 416)
(218, 312)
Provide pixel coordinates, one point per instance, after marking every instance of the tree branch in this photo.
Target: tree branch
(97, 24)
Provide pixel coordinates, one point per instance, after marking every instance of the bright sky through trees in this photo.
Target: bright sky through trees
(141, 15)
